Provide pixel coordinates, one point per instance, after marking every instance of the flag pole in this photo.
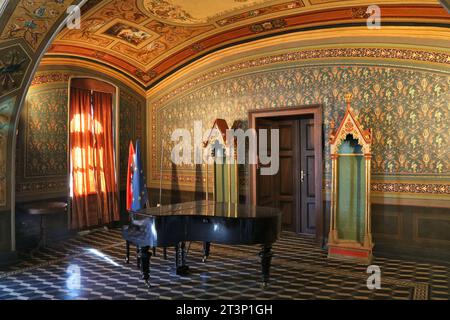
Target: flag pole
(160, 173)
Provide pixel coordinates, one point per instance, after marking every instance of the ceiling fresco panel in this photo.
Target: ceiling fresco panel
(14, 63)
(32, 20)
(197, 12)
(148, 39)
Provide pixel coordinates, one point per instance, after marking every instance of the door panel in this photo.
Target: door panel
(265, 184)
(286, 169)
(286, 183)
(311, 180)
(309, 131)
(311, 216)
(287, 190)
(286, 137)
(307, 189)
(287, 218)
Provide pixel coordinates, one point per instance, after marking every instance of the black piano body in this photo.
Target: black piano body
(205, 221)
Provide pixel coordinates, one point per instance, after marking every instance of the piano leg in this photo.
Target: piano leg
(154, 251)
(206, 249)
(266, 258)
(127, 257)
(180, 259)
(165, 253)
(144, 257)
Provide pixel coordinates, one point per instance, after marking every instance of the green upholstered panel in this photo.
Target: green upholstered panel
(351, 197)
(221, 182)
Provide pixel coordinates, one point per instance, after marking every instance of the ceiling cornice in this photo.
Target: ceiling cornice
(426, 16)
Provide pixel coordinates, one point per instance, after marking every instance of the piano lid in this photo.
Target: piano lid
(211, 209)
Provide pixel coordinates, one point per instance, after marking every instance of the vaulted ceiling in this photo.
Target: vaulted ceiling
(147, 39)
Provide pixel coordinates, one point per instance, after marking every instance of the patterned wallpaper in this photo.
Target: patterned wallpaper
(132, 115)
(42, 144)
(46, 133)
(6, 108)
(407, 109)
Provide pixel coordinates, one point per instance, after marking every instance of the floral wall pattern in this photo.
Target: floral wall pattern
(407, 109)
(41, 161)
(46, 133)
(132, 115)
(6, 108)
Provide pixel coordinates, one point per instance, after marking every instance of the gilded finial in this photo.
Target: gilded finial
(348, 97)
(332, 124)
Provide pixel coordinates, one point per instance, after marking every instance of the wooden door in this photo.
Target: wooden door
(307, 177)
(286, 182)
(292, 189)
(266, 196)
(281, 190)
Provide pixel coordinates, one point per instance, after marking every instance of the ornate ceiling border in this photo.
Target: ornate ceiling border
(96, 66)
(317, 55)
(393, 14)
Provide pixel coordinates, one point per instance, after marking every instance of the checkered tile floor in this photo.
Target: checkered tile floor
(300, 270)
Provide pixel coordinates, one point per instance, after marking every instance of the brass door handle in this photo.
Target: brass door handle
(302, 176)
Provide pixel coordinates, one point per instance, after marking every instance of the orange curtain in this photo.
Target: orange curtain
(104, 157)
(94, 190)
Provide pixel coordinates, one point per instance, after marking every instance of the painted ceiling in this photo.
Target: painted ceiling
(147, 39)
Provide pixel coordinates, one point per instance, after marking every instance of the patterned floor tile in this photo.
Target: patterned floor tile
(300, 270)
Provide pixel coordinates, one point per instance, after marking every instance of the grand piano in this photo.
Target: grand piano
(204, 221)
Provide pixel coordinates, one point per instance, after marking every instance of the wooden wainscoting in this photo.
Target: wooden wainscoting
(412, 231)
(432, 229)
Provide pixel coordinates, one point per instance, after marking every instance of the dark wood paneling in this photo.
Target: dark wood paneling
(387, 225)
(286, 188)
(286, 176)
(311, 216)
(285, 137)
(417, 232)
(308, 184)
(286, 208)
(432, 228)
(267, 195)
(311, 178)
(309, 136)
(5, 231)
